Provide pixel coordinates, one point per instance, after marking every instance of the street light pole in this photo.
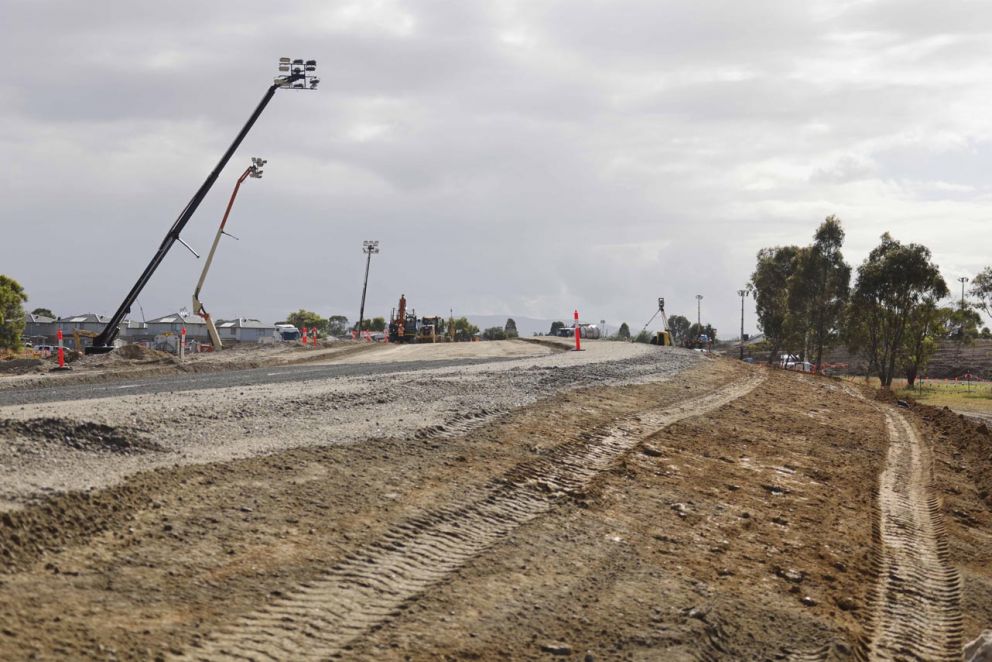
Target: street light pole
(296, 74)
(368, 247)
(962, 280)
(742, 294)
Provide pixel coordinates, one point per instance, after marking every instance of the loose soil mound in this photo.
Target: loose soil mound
(19, 366)
(82, 436)
(128, 355)
(143, 354)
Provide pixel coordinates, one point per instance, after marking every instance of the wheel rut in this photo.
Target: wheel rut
(320, 619)
(915, 605)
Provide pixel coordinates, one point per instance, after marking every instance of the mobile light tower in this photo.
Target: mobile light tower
(368, 247)
(962, 280)
(699, 304)
(255, 172)
(293, 75)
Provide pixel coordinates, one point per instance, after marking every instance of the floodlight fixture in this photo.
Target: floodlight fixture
(297, 74)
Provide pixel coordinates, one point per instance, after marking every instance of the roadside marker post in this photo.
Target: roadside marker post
(182, 344)
(578, 333)
(62, 365)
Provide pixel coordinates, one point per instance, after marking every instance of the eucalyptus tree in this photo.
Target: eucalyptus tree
(819, 288)
(981, 289)
(770, 279)
(12, 318)
(892, 283)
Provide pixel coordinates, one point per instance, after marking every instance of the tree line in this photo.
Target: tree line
(892, 316)
(681, 329)
(338, 325)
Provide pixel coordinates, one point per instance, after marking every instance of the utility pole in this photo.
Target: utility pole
(962, 280)
(742, 294)
(699, 300)
(294, 74)
(368, 247)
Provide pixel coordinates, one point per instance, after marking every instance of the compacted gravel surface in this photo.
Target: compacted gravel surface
(218, 416)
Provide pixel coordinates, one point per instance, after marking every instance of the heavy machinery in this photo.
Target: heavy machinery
(77, 338)
(294, 74)
(403, 324)
(428, 331)
(663, 337)
(254, 171)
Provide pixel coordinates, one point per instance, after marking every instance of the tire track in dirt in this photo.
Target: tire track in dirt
(915, 605)
(319, 619)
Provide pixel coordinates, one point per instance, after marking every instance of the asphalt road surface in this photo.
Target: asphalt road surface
(211, 380)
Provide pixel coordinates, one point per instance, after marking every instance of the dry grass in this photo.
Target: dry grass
(963, 396)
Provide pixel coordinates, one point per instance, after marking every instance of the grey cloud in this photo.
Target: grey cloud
(500, 152)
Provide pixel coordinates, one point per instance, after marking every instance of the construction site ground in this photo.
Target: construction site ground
(135, 361)
(624, 502)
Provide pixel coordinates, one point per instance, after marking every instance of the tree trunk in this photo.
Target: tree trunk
(911, 375)
(773, 355)
(890, 370)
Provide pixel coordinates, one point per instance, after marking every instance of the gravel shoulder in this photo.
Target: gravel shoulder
(215, 425)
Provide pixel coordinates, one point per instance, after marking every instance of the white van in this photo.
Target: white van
(792, 362)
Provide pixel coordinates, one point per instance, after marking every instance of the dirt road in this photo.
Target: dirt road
(634, 504)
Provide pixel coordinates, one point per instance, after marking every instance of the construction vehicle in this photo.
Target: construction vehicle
(428, 330)
(77, 338)
(286, 333)
(663, 337)
(403, 324)
(254, 171)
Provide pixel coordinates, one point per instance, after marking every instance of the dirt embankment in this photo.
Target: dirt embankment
(962, 451)
(736, 534)
(137, 362)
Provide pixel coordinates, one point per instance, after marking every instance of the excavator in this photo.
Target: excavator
(663, 337)
(255, 172)
(77, 337)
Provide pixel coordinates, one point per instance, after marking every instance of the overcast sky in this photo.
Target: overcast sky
(519, 158)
